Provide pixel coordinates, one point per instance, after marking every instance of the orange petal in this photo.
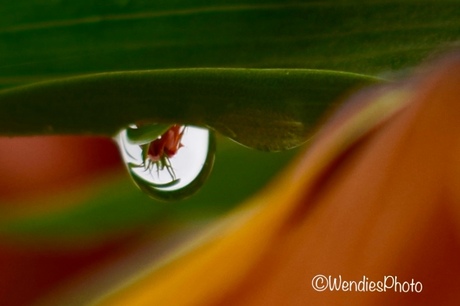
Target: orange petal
(376, 198)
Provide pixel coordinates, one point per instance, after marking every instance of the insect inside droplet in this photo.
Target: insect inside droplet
(171, 166)
(156, 154)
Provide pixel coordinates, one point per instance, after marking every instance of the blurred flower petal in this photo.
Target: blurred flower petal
(375, 196)
(34, 167)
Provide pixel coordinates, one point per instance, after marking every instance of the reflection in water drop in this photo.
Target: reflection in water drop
(172, 166)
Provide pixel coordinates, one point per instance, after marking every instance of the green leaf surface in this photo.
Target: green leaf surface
(267, 109)
(49, 39)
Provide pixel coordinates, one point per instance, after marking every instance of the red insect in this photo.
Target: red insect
(158, 152)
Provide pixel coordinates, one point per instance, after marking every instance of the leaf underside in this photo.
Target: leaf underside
(266, 109)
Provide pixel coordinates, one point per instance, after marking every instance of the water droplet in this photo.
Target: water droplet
(171, 166)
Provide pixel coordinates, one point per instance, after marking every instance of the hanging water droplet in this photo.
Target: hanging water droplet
(171, 166)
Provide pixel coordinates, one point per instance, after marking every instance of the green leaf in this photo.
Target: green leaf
(49, 39)
(267, 109)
